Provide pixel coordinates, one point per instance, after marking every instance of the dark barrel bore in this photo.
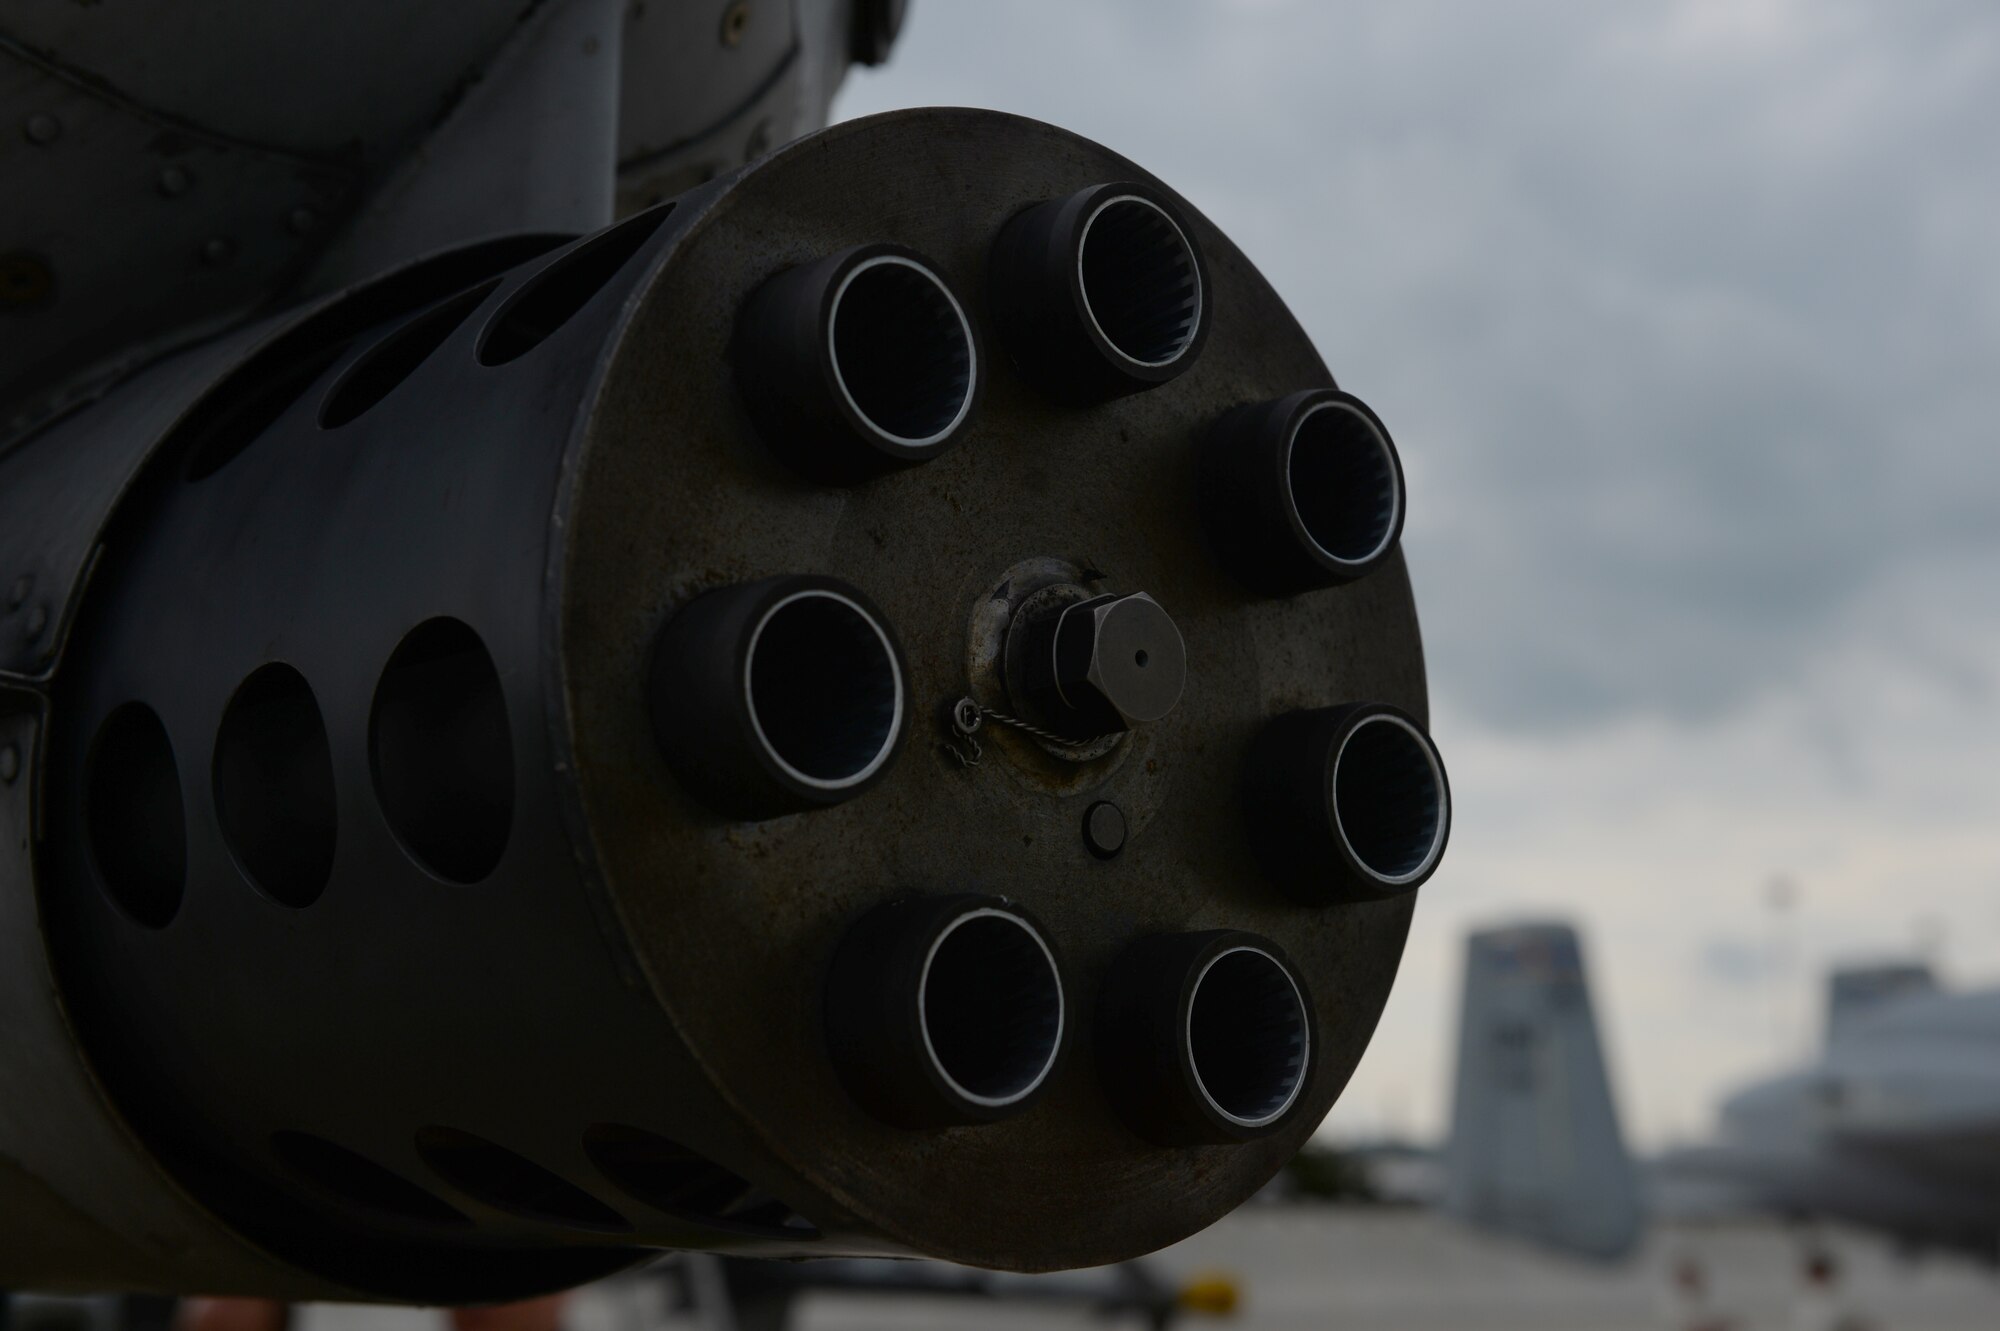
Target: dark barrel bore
(777, 696)
(1305, 491)
(858, 364)
(1141, 285)
(1204, 1037)
(944, 1010)
(1246, 1034)
(1101, 292)
(1346, 803)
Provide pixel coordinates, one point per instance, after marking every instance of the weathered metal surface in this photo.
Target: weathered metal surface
(674, 494)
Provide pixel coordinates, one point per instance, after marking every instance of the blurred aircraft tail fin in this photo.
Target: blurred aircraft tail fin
(1536, 1150)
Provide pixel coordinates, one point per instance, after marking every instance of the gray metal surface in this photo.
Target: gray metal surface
(350, 82)
(128, 231)
(745, 77)
(170, 170)
(530, 146)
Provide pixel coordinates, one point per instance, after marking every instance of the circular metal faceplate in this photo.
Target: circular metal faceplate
(673, 494)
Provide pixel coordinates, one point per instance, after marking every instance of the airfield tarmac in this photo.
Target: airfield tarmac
(1410, 1270)
(1374, 1269)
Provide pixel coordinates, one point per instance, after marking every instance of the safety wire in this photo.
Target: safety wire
(968, 716)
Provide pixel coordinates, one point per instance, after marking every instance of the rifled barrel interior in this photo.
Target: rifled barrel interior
(614, 754)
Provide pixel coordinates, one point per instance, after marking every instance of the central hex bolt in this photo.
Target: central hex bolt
(1105, 665)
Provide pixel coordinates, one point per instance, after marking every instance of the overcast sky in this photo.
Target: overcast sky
(1686, 318)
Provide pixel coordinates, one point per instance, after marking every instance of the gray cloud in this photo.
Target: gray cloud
(1686, 317)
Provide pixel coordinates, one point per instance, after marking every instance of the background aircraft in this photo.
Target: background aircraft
(1895, 1126)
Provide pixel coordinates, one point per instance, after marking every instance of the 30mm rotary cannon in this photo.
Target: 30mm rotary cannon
(873, 708)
